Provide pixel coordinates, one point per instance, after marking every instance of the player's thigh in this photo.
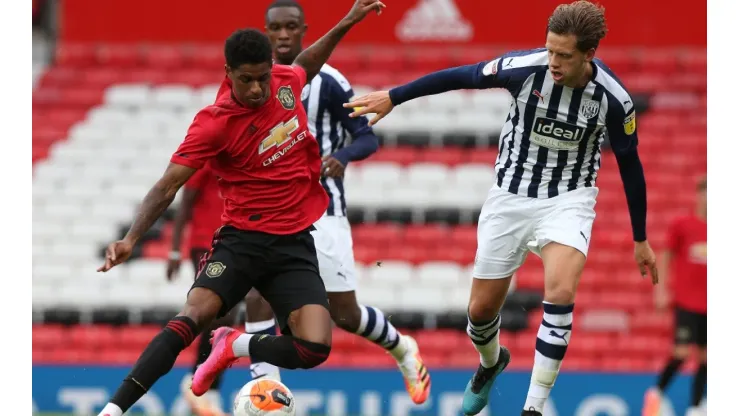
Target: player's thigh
(504, 228)
(566, 219)
(333, 243)
(295, 296)
(228, 270)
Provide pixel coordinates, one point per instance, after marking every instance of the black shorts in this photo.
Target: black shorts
(690, 328)
(283, 268)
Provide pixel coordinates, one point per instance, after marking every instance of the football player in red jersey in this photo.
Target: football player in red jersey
(256, 140)
(685, 256)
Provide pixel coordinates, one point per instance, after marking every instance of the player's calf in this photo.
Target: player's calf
(366, 321)
(159, 356)
(553, 338)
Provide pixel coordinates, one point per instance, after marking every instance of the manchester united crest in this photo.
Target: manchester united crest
(215, 269)
(286, 97)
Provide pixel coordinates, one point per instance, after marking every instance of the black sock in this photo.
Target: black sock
(668, 372)
(287, 352)
(156, 360)
(700, 382)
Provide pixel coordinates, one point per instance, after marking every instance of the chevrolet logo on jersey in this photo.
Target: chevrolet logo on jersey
(279, 134)
(557, 135)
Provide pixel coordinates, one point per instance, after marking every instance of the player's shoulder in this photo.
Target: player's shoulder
(613, 86)
(527, 58)
(334, 76)
(519, 62)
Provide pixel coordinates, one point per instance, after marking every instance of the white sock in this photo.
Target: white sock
(264, 369)
(241, 345)
(111, 409)
(552, 342)
(253, 327)
(485, 336)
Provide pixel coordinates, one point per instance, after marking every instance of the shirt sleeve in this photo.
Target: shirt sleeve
(301, 73)
(621, 125)
(364, 141)
(508, 71)
(203, 141)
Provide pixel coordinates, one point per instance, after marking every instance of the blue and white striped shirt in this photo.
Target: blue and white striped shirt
(323, 99)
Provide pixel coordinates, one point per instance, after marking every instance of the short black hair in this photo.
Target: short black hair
(247, 46)
(285, 3)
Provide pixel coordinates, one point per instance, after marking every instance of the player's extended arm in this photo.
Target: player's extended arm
(633, 180)
(316, 55)
(467, 77)
(158, 199)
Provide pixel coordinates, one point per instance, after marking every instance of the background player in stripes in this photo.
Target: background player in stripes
(329, 121)
(685, 256)
(565, 102)
(256, 139)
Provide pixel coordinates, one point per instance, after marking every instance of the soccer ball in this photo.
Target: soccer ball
(264, 397)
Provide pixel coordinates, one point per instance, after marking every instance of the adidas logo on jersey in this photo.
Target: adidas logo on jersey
(434, 20)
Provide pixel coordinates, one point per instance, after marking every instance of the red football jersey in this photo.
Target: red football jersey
(267, 160)
(206, 215)
(687, 239)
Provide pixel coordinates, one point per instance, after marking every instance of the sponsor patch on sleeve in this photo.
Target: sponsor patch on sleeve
(491, 68)
(629, 124)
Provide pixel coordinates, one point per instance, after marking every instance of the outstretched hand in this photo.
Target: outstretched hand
(645, 258)
(362, 7)
(115, 254)
(378, 102)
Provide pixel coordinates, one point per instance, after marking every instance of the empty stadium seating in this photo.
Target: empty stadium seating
(106, 120)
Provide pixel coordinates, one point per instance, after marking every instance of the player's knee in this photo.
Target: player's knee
(479, 311)
(682, 352)
(310, 354)
(202, 306)
(257, 307)
(560, 294)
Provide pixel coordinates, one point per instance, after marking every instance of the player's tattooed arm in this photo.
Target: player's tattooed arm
(316, 55)
(158, 199)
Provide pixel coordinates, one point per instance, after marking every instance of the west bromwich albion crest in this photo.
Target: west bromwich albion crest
(286, 98)
(590, 108)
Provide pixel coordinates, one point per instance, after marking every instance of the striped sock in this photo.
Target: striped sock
(552, 342)
(485, 339)
(376, 328)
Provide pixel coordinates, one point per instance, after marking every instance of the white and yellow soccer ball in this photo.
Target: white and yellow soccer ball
(264, 397)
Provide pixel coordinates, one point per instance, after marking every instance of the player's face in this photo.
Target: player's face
(568, 65)
(251, 83)
(285, 28)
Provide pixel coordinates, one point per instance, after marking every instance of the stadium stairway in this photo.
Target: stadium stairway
(107, 118)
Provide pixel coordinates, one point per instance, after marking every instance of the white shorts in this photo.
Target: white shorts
(333, 239)
(511, 225)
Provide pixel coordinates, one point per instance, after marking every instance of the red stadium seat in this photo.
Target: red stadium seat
(165, 57)
(119, 57)
(447, 156)
(76, 55)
